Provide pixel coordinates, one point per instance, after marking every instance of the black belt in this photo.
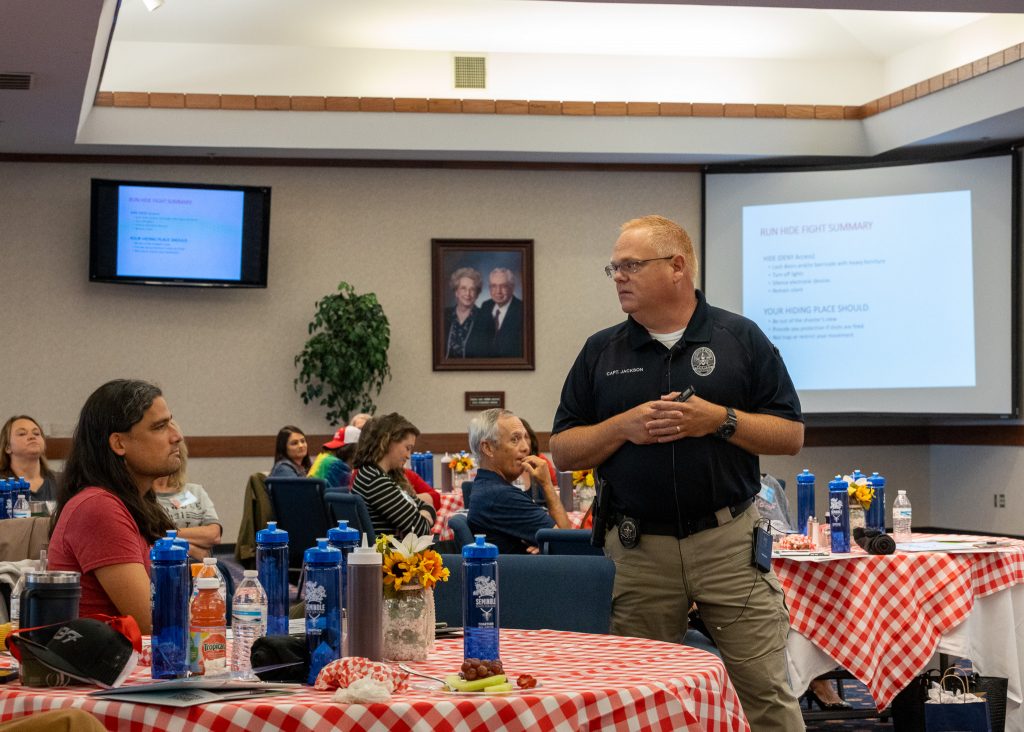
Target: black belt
(687, 526)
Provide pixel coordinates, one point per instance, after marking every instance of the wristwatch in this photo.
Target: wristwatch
(728, 427)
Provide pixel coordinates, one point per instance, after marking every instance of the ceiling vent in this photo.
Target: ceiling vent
(470, 72)
(15, 82)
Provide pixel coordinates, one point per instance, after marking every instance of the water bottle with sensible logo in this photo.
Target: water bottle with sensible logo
(169, 595)
(480, 601)
(875, 518)
(839, 514)
(322, 565)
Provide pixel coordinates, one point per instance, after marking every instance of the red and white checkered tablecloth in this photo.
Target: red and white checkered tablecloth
(450, 503)
(587, 682)
(880, 617)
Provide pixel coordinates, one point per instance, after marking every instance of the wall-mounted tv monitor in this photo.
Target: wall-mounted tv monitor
(182, 234)
(889, 290)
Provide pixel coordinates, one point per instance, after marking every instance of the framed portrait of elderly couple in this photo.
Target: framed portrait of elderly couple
(482, 304)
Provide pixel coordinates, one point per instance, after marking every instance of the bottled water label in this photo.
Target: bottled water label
(248, 614)
(902, 513)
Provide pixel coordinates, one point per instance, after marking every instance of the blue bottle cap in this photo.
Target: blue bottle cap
(168, 550)
(343, 534)
(856, 474)
(838, 484)
(272, 534)
(876, 479)
(480, 549)
(322, 554)
(805, 477)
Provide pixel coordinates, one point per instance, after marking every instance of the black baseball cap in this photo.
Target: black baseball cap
(85, 649)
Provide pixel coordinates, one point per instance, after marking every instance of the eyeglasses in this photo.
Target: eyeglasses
(631, 267)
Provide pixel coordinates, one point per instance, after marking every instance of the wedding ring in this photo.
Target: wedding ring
(678, 429)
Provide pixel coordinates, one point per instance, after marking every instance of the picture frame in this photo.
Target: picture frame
(465, 338)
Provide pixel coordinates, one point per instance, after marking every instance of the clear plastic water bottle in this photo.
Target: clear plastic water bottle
(169, 598)
(248, 622)
(272, 566)
(480, 602)
(901, 516)
(21, 507)
(322, 565)
(875, 518)
(804, 499)
(839, 515)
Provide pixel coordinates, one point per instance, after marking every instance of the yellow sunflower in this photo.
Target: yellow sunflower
(397, 570)
(430, 569)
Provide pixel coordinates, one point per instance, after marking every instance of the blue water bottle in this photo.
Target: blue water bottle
(428, 467)
(169, 595)
(25, 488)
(272, 568)
(804, 499)
(875, 518)
(344, 538)
(480, 602)
(839, 514)
(5, 499)
(322, 565)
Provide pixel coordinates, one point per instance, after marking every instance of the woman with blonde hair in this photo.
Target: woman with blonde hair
(190, 508)
(385, 445)
(23, 455)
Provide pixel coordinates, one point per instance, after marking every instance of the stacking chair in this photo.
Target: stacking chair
(459, 523)
(350, 507)
(467, 489)
(300, 509)
(566, 541)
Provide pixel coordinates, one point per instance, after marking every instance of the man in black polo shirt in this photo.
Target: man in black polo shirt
(681, 475)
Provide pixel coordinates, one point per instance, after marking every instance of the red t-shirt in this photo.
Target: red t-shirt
(95, 530)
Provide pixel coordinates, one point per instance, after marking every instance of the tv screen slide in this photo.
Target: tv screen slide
(887, 290)
(179, 234)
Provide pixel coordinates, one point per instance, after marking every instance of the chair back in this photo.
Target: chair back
(459, 524)
(352, 508)
(539, 591)
(300, 509)
(567, 541)
(467, 488)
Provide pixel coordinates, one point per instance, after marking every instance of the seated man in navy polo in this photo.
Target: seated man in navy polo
(506, 514)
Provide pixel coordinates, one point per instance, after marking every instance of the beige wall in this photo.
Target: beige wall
(225, 358)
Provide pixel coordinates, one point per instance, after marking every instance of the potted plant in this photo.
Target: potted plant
(344, 363)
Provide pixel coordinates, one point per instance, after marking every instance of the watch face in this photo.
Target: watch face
(728, 428)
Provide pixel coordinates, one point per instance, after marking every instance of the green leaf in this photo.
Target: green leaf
(344, 364)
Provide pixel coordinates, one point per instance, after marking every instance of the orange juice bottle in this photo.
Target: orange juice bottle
(208, 630)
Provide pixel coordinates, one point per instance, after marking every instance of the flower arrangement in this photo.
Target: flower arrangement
(581, 478)
(410, 561)
(461, 463)
(860, 491)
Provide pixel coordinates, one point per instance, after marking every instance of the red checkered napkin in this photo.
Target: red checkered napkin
(341, 673)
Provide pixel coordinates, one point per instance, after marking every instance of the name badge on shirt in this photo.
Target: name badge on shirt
(187, 500)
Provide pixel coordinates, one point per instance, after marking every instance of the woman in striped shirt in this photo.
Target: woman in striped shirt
(384, 447)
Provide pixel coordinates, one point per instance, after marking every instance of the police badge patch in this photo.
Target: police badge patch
(702, 361)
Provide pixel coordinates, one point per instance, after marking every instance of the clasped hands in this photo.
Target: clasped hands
(667, 420)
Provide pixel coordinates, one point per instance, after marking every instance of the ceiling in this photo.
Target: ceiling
(807, 51)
